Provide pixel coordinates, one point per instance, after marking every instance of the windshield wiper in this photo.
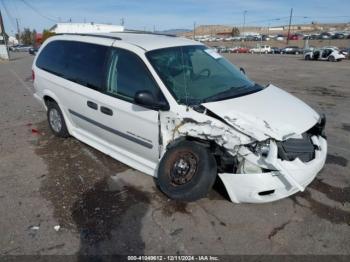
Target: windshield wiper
(224, 94)
(233, 92)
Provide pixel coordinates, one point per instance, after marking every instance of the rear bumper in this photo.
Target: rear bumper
(291, 177)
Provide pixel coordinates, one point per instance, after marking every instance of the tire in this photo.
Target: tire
(331, 58)
(56, 120)
(187, 185)
(307, 57)
(297, 53)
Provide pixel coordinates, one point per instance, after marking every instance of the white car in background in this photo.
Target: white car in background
(177, 110)
(325, 54)
(261, 49)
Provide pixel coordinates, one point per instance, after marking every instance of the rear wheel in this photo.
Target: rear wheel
(307, 57)
(331, 58)
(187, 171)
(56, 120)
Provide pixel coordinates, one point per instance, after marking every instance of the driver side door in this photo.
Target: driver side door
(133, 128)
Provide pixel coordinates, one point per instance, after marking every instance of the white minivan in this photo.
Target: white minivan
(176, 110)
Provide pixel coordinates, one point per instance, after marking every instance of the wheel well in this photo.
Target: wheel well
(49, 99)
(225, 161)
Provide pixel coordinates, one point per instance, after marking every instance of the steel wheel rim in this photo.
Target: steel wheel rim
(55, 120)
(183, 169)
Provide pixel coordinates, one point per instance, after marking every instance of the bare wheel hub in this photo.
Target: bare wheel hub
(183, 169)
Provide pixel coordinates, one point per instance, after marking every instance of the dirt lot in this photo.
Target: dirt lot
(104, 207)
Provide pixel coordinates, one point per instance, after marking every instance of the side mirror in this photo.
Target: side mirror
(146, 99)
(242, 70)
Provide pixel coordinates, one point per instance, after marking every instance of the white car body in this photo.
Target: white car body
(261, 49)
(325, 54)
(142, 138)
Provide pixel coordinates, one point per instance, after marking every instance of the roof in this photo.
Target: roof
(149, 41)
(61, 28)
(145, 40)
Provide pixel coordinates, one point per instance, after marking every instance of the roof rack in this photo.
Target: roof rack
(94, 35)
(143, 32)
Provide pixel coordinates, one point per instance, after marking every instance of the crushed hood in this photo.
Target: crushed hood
(271, 112)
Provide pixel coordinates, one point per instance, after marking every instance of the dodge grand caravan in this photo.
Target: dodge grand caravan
(177, 110)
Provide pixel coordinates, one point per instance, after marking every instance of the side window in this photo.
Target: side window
(79, 62)
(86, 64)
(128, 74)
(52, 58)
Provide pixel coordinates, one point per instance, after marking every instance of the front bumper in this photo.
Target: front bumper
(291, 177)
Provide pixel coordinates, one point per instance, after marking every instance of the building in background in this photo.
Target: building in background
(4, 54)
(63, 28)
(12, 41)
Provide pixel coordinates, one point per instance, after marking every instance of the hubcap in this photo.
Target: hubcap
(55, 120)
(183, 169)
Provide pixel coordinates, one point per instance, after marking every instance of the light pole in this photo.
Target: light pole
(244, 13)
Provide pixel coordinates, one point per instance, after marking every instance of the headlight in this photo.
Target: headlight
(260, 148)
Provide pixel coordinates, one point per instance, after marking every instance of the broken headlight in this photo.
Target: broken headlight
(260, 148)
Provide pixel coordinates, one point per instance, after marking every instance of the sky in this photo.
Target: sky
(170, 14)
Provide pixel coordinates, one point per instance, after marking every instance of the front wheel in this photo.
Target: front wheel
(187, 171)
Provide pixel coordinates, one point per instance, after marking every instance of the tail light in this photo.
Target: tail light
(33, 75)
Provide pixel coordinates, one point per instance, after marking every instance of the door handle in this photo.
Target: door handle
(106, 111)
(92, 105)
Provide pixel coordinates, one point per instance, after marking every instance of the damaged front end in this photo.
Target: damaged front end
(252, 170)
(281, 169)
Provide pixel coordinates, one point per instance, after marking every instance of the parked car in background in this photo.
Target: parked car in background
(325, 35)
(295, 37)
(261, 49)
(338, 36)
(22, 48)
(33, 50)
(345, 51)
(280, 38)
(215, 48)
(324, 54)
(240, 50)
(294, 50)
(275, 50)
(265, 38)
(12, 47)
(312, 37)
(308, 49)
(222, 49)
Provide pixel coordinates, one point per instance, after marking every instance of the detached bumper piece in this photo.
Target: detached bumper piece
(294, 172)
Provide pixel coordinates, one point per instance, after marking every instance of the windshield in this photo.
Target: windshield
(197, 74)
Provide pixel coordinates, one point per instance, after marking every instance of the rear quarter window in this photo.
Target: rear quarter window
(79, 62)
(51, 58)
